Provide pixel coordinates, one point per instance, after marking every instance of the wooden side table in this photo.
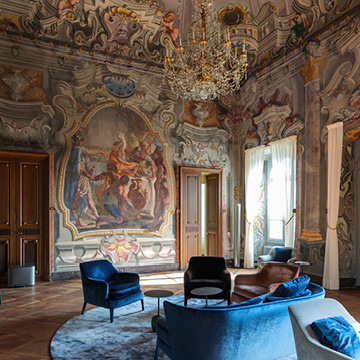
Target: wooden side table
(158, 294)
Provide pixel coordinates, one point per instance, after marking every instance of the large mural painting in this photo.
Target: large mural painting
(115, 174)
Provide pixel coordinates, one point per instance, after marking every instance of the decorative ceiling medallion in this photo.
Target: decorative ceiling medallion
(118, 87)
(232, 15)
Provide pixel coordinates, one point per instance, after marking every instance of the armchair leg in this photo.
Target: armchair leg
(111, 315)
(83, 309)
(142, 304)
(156, 352)
(185, 301)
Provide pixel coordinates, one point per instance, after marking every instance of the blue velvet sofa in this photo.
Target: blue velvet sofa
(261, 331)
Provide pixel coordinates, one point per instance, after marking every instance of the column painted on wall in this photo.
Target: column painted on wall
(311, 211)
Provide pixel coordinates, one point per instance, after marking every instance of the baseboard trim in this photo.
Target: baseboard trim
(70, 275)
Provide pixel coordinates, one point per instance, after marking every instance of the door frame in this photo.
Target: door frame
(47, 196)
(199, 170)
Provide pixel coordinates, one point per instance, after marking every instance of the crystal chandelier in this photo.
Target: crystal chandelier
(209, 65)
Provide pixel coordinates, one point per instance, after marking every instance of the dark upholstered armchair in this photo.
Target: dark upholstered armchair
(106, 287)
(248, 286)
(207, 271)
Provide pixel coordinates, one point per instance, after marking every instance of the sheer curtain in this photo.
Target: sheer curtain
(283, 156)
(254, 165)
(334, 151)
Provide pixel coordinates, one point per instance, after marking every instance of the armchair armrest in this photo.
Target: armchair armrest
(264, 258)
(188, 276)
(123, 277)
(246, 279)
(95, 288)
(225, 275)
(290, 261)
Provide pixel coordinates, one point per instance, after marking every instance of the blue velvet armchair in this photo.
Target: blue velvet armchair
(206, 271)
(106, 287)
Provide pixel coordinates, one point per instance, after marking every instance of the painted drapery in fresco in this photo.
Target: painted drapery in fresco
(116, 176)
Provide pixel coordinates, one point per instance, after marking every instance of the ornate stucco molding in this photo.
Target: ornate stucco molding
(202, 147)
(26, 124)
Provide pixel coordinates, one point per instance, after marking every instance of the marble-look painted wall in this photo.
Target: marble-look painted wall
(276, 105)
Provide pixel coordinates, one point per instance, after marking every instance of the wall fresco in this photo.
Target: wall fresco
(116, 179)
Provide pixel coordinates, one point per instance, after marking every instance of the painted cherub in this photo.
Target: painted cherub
(167, 22)
(62, 4)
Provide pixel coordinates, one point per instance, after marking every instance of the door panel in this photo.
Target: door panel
(5, 208)
(4, 253)
(30, 196)
(189, 212)
(22, 216)
(190, 234)
(30, 253)
(212, 216)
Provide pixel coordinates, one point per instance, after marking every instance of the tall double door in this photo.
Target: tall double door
(192, 225)
(24, 191)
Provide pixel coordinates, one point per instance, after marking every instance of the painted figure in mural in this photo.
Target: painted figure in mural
(62, 4)
(167, 23)
(127, 211)
(75, 185)
(117, 157)
(162, 198)
(108, 194)
(115, 198)
(299, 29)
(85, 191)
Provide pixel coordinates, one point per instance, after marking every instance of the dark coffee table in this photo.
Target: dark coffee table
(206, 291)
(158, 294)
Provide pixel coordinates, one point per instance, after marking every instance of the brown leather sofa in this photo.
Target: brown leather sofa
(248, 286)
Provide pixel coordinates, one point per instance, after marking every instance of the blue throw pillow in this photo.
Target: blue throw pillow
(337, 334)
(293, 287)
(282, 255)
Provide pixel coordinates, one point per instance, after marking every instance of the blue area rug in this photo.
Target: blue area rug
(92, 337)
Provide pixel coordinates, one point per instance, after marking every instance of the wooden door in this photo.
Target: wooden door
(212, 216)
(23, 221)
(190, 214)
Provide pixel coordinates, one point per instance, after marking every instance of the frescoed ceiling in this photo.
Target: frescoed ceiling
(114, 30)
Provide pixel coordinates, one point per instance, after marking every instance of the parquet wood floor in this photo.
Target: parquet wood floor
(30, 316)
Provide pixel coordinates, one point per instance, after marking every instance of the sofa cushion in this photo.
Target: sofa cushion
(293, 287)
(337, 334)
(122, 290)
(282, 255)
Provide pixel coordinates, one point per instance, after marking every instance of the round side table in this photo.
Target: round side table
(158, 294)
(206, 291)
